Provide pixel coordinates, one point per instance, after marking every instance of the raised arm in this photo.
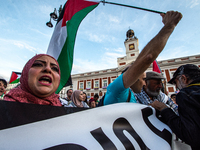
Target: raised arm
(152, 49)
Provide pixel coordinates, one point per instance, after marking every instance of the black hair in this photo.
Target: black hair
(96, 95)
(4, 82)
(86, 97)
(69, 89)
(173, 95)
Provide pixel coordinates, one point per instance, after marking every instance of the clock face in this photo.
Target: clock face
(131, 46)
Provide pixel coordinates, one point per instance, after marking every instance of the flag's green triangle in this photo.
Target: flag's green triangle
(16, 81)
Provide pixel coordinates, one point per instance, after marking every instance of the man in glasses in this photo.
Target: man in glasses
(187, 125)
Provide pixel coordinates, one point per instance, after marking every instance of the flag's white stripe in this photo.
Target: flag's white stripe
(18, 76)
(58, 40)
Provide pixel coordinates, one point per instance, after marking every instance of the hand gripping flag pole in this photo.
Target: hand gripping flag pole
(154, 11)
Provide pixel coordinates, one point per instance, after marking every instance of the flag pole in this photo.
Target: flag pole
(154, 11)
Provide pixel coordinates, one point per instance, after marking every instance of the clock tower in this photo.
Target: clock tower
(132, 51)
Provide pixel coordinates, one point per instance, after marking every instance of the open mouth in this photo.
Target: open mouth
(45, 80)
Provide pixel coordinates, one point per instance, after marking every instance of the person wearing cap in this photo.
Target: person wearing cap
(118, 90)
(152, 91)
(187, 125)
(3, 86)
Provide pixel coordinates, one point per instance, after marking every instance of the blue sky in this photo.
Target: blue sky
(101, 35)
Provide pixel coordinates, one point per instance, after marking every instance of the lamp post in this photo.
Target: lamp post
(54, 16)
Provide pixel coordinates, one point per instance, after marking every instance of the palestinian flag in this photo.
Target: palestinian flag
(156, 67)
(15, 76)
(61, 45)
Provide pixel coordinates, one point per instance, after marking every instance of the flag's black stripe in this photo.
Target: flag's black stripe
(61, 14)
(14, 114)
(17, 72)
(69, 81)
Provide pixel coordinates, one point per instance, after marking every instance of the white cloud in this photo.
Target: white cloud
(18, 44)
(81, 66)
(113, 19)
(121, 50)
(110, 58)
(46, 9)
(96, 38)
(77, 69)
(99, 37)
(173, 53)
(106, 60)
(21, 45)
(194, 3)
(38, 31)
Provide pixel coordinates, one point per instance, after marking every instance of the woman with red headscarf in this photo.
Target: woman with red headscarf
(39, 80)
(78, 100)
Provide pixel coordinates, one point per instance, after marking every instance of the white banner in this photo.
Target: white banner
(119, 126)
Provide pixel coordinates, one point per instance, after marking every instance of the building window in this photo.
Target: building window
(171, 74)
(112, 79)
(88, 95)
(164, 75)
(96, 84)
(105, 83)
(81, 85)
(88, 85)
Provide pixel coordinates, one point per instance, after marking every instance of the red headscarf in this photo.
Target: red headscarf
(23, 93)
(91, 100)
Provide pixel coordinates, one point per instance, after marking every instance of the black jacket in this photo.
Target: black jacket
(187, 125)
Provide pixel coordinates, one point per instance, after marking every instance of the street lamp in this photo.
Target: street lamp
(54, 16)
(49, 24)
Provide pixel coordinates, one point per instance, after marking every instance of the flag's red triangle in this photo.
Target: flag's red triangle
(14, 76)
(156, 68)
(73, 6)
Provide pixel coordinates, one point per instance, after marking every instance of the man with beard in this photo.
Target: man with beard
(152, 91)
(66, 101)
(187, 125)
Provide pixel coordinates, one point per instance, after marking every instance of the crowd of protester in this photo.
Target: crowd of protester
(40, 79)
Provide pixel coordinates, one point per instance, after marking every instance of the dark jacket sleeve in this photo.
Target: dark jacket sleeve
(186, 125)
